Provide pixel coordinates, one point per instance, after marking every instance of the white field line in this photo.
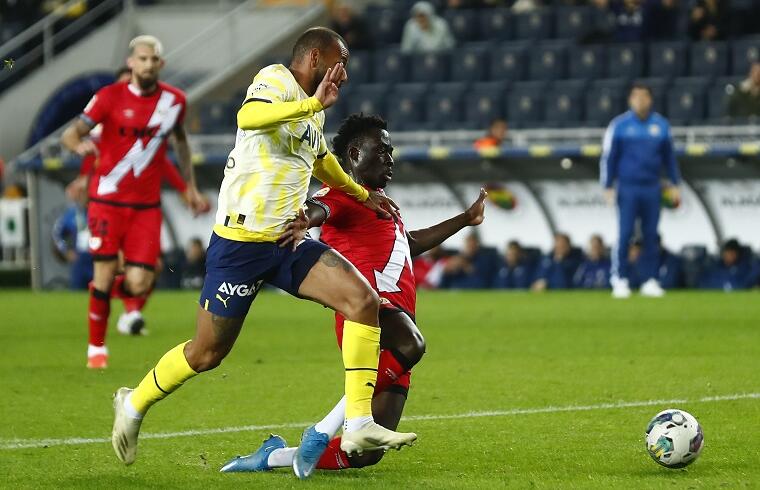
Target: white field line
(43, 443)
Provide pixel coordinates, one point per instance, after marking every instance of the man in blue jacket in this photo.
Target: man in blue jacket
(637, 149)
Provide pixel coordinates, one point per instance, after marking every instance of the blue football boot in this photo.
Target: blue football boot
(313, 444)
(258, 460)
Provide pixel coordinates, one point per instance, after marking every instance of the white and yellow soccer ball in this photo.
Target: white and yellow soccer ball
(674, 438)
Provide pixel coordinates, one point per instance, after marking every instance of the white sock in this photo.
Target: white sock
(333, 420)
(357, 423)
(96, 350)
(130, 409)
(281, 457)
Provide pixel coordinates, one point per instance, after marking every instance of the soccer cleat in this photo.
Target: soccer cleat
(374, 436)
(313, 444)
(256, 461)
(125, 429)
(620, 288)
(652, 289)
(131, 323)
(98, 361)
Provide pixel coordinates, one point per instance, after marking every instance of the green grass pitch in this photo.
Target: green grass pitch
(499, 382)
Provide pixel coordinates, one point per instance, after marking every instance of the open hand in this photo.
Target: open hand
(382, 205)
(327, 91)
(295, 230)
(195, 201)
(476, 213)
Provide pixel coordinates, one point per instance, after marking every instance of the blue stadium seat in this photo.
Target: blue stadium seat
(586, 62)
(605, 99)
(708, 59)
(386, 24)
(625, 61)
(534, 25)
(470, 62)
(573, 22)
(525, 104)
(659, 87)
(218, 117)
(547, 62)
(429, 67)
(406, 106)
(359, 67)
(368, 98)
(694, 261)
(444, 105)
(686, 100)
(463, 24)
(337, 112)
(389, 65)
(496, 24)
(667, 59)
(743, 54)
(717, 98)
(484, 103)
(563, 104)
(508, 62)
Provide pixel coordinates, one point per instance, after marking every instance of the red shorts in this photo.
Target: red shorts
(136, 232)
(405, 379)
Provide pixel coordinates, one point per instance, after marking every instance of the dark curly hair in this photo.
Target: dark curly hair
(352, 128)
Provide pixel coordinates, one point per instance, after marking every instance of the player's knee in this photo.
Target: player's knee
(366, 459)
(416, 348)
(201, 359)
(363, 304)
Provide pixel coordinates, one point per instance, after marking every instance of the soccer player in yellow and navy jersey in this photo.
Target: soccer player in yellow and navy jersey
(279, 146)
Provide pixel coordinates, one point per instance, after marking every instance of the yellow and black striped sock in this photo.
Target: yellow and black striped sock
(169, 374)
(361, 350)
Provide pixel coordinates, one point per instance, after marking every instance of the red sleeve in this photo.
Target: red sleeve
(96, 110)
(170, 174)
(333, 202)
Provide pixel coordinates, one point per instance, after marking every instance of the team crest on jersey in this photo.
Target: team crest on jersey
(654, 130)
(95, 242)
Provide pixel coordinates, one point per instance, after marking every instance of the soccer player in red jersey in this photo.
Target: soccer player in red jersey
(124, 191)
(382, 251)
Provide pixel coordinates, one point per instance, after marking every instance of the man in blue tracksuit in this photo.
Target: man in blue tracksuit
(637, 149)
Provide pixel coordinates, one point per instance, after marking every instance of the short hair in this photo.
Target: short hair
(146, 40)
(316, 37)
(122, 70)
(351, 129)
(733, 245)
(514, 244)
(640, 86)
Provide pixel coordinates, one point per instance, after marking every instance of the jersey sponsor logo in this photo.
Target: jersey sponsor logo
(241, 290)
(311, 137)
(387, 279)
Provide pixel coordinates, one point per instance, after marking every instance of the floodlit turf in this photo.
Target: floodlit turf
(486, 352)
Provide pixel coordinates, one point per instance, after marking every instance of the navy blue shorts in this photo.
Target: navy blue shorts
(236, 270)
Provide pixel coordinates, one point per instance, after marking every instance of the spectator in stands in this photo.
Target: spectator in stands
(71, 238)
(17, 15)
(497, 133)
(516, 271)
(669, 267)
(594, 271)
(429, 267)
(426, 32)
(194, 267)
(745, 101)
(525, 6)
(557, 269)
(472, 268)
(661, 19)
(351, 25)
(629, 21)
(734, 270)
(708, 20)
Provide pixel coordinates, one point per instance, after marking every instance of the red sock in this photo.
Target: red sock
(100, 307)
(388, 371)
(333, 458)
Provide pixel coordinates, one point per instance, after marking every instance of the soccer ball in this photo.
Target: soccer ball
(674, 438)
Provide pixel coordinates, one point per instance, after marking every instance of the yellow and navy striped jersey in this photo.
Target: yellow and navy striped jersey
(266, 178)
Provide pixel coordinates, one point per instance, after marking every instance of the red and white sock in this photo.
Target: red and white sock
(97, 316)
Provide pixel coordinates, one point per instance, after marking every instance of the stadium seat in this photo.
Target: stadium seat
(686, 100)
(470, 62)
(708, 59)
(368, 98)
(667, 59)
(496, 24)
(659, 87)
(694, 261)
(743, 54)
(534, 25)
(625, 61)
(717, 98)
(429, 67)
(406, 106)
(564, 103)
(218, 117)
(508, 62)
(547, 62)
(524, 104)
(463, 24)
(387, 24)
(337, 112)
(389, 65)
(359, 67)
(586, 62)
(573, 22)
(444, 105)
(604, 100)
(484, 103)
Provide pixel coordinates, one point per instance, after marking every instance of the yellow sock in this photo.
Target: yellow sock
(171, 371)
(361, 352)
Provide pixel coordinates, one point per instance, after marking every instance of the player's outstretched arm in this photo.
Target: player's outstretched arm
(196, 201)
(73, 138)
(420, 241)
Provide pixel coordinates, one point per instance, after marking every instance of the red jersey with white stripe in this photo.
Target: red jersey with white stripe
(133, 141)
(377, 247)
